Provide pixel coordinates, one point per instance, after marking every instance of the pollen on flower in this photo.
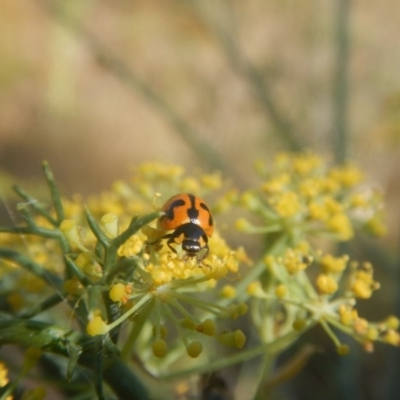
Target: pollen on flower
(318, 211)
(120, 292)
(159, 348)
(331, 264)
(362, 283)
(96, 326)
(347, 175)
(340, 223)
(132, 246)
(194, 349)
(326, 284)
(276, 184)
(294, 261)
(305, 164)
(287, 204)
(310, 188)
(347, 314)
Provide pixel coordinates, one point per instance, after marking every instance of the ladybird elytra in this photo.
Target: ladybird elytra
(183, 208)
(191, 221)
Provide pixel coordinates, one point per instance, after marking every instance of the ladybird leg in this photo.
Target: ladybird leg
(205, 250)
(161, 238)
(170, 241)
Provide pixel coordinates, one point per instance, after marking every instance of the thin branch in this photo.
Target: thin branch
(116, 66)
(340, 81)
(284, 128)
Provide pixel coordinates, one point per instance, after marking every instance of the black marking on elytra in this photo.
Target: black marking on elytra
(170, 212)
(192, 212)
(210, 219)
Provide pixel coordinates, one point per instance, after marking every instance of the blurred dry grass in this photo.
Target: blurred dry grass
(61, 101)
(58, 102)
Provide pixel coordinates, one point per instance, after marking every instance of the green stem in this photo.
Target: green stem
(44, 305)
(138, 323)
(32, 267)
(54, 192)
(135, 225)
(56, 340)
(131, 311)
(34, 203)
(256, 270)
(241, 356)
(95, 228)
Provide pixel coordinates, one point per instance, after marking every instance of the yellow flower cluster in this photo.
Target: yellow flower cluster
(160, 281)
(300, 195)
(326, 295)
(85, 240)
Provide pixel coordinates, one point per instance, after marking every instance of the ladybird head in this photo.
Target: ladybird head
(191, 247)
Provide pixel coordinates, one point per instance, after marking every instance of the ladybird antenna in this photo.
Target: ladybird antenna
(155, 197)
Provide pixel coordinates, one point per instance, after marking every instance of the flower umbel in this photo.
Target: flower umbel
(302, 197)
(329, 300)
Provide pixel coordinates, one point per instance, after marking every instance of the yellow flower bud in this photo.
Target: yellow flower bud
(343, 350)
(228, 292)
(159, 348)
(194, 349)
(299, 324)
(326, 284)
(281, 291)
(254, 289)
(208, 327)
(392, 322)
(96, 326)
(119, 292)
(333, 264)
(233, 339)
(392, 337)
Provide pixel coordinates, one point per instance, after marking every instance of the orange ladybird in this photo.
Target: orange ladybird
(191, 221)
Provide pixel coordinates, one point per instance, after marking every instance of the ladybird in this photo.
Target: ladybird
(191, 221)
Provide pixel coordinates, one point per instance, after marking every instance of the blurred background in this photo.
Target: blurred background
(96, 87)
